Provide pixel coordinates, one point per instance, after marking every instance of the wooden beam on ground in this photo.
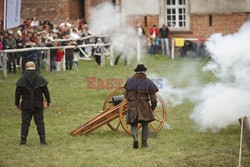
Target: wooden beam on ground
(64, 60)
(4, 65)
(102, 57)
(246, 131)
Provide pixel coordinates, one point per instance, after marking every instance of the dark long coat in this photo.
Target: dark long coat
(31, 87)
(139, 91)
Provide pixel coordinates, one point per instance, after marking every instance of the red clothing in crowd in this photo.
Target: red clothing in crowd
(152, 30)
(59, 55)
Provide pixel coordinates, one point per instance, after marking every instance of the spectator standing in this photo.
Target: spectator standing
(1, 48)
(98, 51)
(69, 56)
(25, 56)
(34, 23)
(59, 57)
(76, 57)
(10, 43)
(19, 43)
(164, 31)
(74, 34)
(40, 53)
(154, 33)
(140, 32)
(86, 33)
(52, 56)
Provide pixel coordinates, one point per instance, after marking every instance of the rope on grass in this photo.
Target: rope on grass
(241, 133)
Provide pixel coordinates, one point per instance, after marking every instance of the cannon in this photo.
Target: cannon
(114, 115)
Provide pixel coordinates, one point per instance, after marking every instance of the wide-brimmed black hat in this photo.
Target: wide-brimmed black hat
(140, 67)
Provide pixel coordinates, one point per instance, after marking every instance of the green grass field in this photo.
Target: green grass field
(73, 104)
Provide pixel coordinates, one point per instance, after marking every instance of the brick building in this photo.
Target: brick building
(191, 18)
(186, 18)
(55, 10)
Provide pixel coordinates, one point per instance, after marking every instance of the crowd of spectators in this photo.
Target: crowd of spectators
(36, 33)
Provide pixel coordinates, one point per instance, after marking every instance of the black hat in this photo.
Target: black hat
(140, 67)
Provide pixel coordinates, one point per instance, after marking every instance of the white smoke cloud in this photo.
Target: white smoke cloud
(221, 104)
(173, 91)
(106, 20)
(218, 105)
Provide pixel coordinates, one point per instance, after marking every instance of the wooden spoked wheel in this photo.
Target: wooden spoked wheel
(115, 125)
(160, 114)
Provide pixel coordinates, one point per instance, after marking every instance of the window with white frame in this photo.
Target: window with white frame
(176, 14)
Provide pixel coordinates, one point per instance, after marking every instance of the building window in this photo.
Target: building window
(210, 20)
(176, 14)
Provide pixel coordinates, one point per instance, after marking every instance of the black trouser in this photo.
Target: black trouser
(11, 59)
(24, 61)
(117, 60)
(98, 59)
(38, 118)
(69, 62)
(144, 135)
(18, 57)
(39, 61)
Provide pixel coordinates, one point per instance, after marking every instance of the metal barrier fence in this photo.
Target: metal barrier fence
(104, 52)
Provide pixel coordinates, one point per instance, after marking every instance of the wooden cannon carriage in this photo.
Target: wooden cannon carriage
(115, 106)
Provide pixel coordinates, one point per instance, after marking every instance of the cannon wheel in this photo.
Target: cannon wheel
(160, 114)
(115, 125)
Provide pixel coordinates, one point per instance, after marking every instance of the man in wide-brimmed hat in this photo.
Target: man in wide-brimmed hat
(139, 91)
(32, 86)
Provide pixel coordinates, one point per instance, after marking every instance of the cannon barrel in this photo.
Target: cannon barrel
(117, 99)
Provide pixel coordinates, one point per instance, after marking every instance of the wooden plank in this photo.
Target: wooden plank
(48, 60)
(64, 60)
(4, 65)
(99, 120)
(102, 57)
(246, 132)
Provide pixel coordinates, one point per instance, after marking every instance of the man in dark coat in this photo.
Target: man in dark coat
(139, 91)
(32, 86)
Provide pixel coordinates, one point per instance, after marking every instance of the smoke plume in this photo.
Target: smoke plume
(219, 104)
(106, 19)
(222, 103)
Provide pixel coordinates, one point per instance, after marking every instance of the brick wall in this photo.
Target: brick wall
(77, 9)
(1, 9)
(54, 10)
(146, 23)
(57, 10)
(221, 23)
